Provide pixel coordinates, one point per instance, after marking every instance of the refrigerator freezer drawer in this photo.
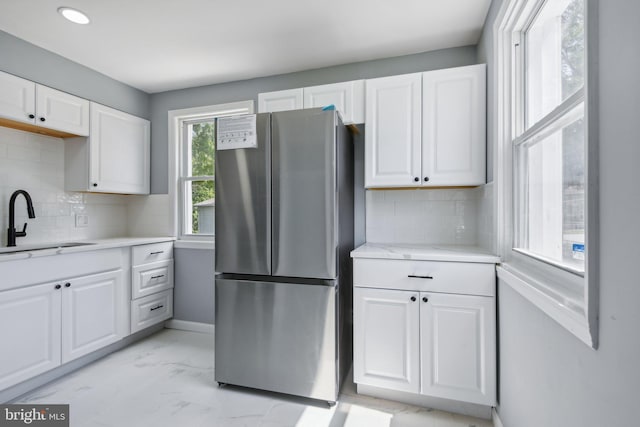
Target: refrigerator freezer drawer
(277, 336)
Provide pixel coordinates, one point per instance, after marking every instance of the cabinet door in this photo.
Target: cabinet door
(393, 136)
(282, 100)
(453, 126)
(29, 332)
(17, 98)
(61, 111)
(92, 313)
(119, 151)
(458, 347)
(348, 98)
(386, 339)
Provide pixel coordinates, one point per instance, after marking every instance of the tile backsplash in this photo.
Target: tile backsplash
(35, 163)
(433, 216)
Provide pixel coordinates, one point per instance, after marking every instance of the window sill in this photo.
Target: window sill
(567, 312)
(194, 244)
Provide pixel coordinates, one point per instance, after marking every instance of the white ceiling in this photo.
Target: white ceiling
(159, 45)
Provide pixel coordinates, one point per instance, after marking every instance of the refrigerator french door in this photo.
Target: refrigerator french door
(284, 229)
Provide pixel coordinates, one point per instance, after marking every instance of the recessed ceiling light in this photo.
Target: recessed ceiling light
(74, 15)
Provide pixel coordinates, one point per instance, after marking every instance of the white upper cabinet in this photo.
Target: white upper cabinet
(61, 111)
(347, 97)
(120, 147)
(116, 157)
(453, 126)
(27, 102)
(426, 129)
(282, 100)
(17, 98)
(393, 135)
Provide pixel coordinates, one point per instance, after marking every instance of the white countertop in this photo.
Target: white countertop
(32, 251)
(459, 253)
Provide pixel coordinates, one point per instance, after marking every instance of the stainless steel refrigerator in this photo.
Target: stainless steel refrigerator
(284, 230)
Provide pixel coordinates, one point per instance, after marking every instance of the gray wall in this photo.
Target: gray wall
(547, 377)
(193, 295)
(163, 102)
(28, 61)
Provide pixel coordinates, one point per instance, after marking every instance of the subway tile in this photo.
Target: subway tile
(23, 152)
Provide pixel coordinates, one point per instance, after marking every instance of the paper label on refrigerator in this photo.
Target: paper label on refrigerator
(237, 132)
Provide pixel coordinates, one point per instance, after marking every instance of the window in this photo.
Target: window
(549, 137)
(192, 137)
(543, 163)
(197, 176)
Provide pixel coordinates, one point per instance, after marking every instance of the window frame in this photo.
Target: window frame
(178, 161)
(570, 299)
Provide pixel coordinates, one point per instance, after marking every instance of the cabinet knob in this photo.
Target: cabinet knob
(426, 179)
(413, 298)
(416, 179)
(67, 285)
(32, 116)
(425, 299)
(95, 184)
(58, 286)
(42, 119)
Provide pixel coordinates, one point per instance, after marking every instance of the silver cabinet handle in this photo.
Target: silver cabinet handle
(157, 277)
(156, 307)
(156, 253)
(413, 276)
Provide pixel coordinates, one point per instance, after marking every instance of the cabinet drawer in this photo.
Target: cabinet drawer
(151, 278)
(153, 252)
(151, 309)
(428, 276)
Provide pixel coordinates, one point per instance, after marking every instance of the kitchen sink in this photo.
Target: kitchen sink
(31, 248)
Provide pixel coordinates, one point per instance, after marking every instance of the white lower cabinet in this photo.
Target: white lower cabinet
(415, 340)
(29, 332)
(149, 310)
(151, 284)
(457, 340)
(386, 334)
(91, 313)
(45, 325)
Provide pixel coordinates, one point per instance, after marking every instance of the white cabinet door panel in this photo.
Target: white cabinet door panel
(458, 347)
(453, 126)
(393, 137)
(282, 100)
(120, 147)
(347, 97)
(62, 111)
(386, 339)
(29, 332)
(92, 315)
(17, 98)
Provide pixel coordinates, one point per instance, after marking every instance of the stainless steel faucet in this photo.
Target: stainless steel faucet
(11, 232)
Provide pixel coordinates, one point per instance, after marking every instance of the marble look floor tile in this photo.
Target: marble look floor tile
(167, 380)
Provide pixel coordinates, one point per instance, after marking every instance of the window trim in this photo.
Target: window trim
(176, 120)
(576, 306)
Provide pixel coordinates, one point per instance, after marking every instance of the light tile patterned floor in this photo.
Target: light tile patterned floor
(167, 380)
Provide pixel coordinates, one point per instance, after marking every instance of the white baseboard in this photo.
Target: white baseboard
(185, 325)
(497, 422)
(454, 406)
